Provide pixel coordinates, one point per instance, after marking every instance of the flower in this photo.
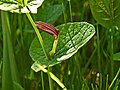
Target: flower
(47, 28)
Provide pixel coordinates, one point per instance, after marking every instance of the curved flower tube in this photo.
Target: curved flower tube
(47, 28)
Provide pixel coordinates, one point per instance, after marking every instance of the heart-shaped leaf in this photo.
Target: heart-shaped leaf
(18, 7)
(71, 38)
(106, 12)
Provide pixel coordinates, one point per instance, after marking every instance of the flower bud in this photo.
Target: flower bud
(47, 28)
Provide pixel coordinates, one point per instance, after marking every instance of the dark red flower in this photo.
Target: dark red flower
(47, 28)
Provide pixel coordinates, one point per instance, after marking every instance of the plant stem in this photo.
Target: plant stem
(42, 80)
(114, 79)
(98, 50)
(89, 61)
(38, 35)
(106, 82)
(52, 76)
(20, 27)
(64, 15)
(50, 80)
(111, 55)
(99, 62)
(70, 11)
(92, 86)
(42, 44)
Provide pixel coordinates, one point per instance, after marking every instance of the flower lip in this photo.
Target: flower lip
(47, 28)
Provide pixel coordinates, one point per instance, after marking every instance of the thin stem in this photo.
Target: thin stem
(38, 35)
(50, 80)
(20, 27)
(106, 82)
(78, 65)
(25, 2)
(111, 57)
(70, 10)
(42, 44)
(114, 79)
(52, 76)
(92, 86)
(99, 62)
(98, 50)
(89, 61)
(42, 80)
(64, 15)
(31, 75)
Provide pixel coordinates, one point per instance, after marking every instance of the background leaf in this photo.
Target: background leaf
(9, 70)
(106, 12)
(116, 56)
(49, 13)
(71, 38)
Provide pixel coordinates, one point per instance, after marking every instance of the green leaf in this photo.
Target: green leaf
(18, 86)
(9, 69)
(116, 56)
(18, 7)
(49, 13)
(71, 38)
(106, 12)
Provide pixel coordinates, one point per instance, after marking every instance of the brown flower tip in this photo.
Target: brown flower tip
(47, 28)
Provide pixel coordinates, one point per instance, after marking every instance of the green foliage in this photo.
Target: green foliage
(79, 72)
(117, 56)
(106, 12)
(71, 38)
(9, 71)
(19, 87)
(49, 13)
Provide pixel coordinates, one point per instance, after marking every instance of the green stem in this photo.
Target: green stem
(92, 86)
(31, 75)
(114, 79)
(38, 35)
(99, 62)
(52, 76)
(20, 27)
(98, 50)
(111, 56)
(64, 15)
(70, 10)
(50, 80)
(42, 80)
(89, 61)
(42, 44)
(25, 2)
(106, 82)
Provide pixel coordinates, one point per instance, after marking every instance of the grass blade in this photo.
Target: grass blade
(9, 73)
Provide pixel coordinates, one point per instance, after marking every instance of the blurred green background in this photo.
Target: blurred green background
(81, 71)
